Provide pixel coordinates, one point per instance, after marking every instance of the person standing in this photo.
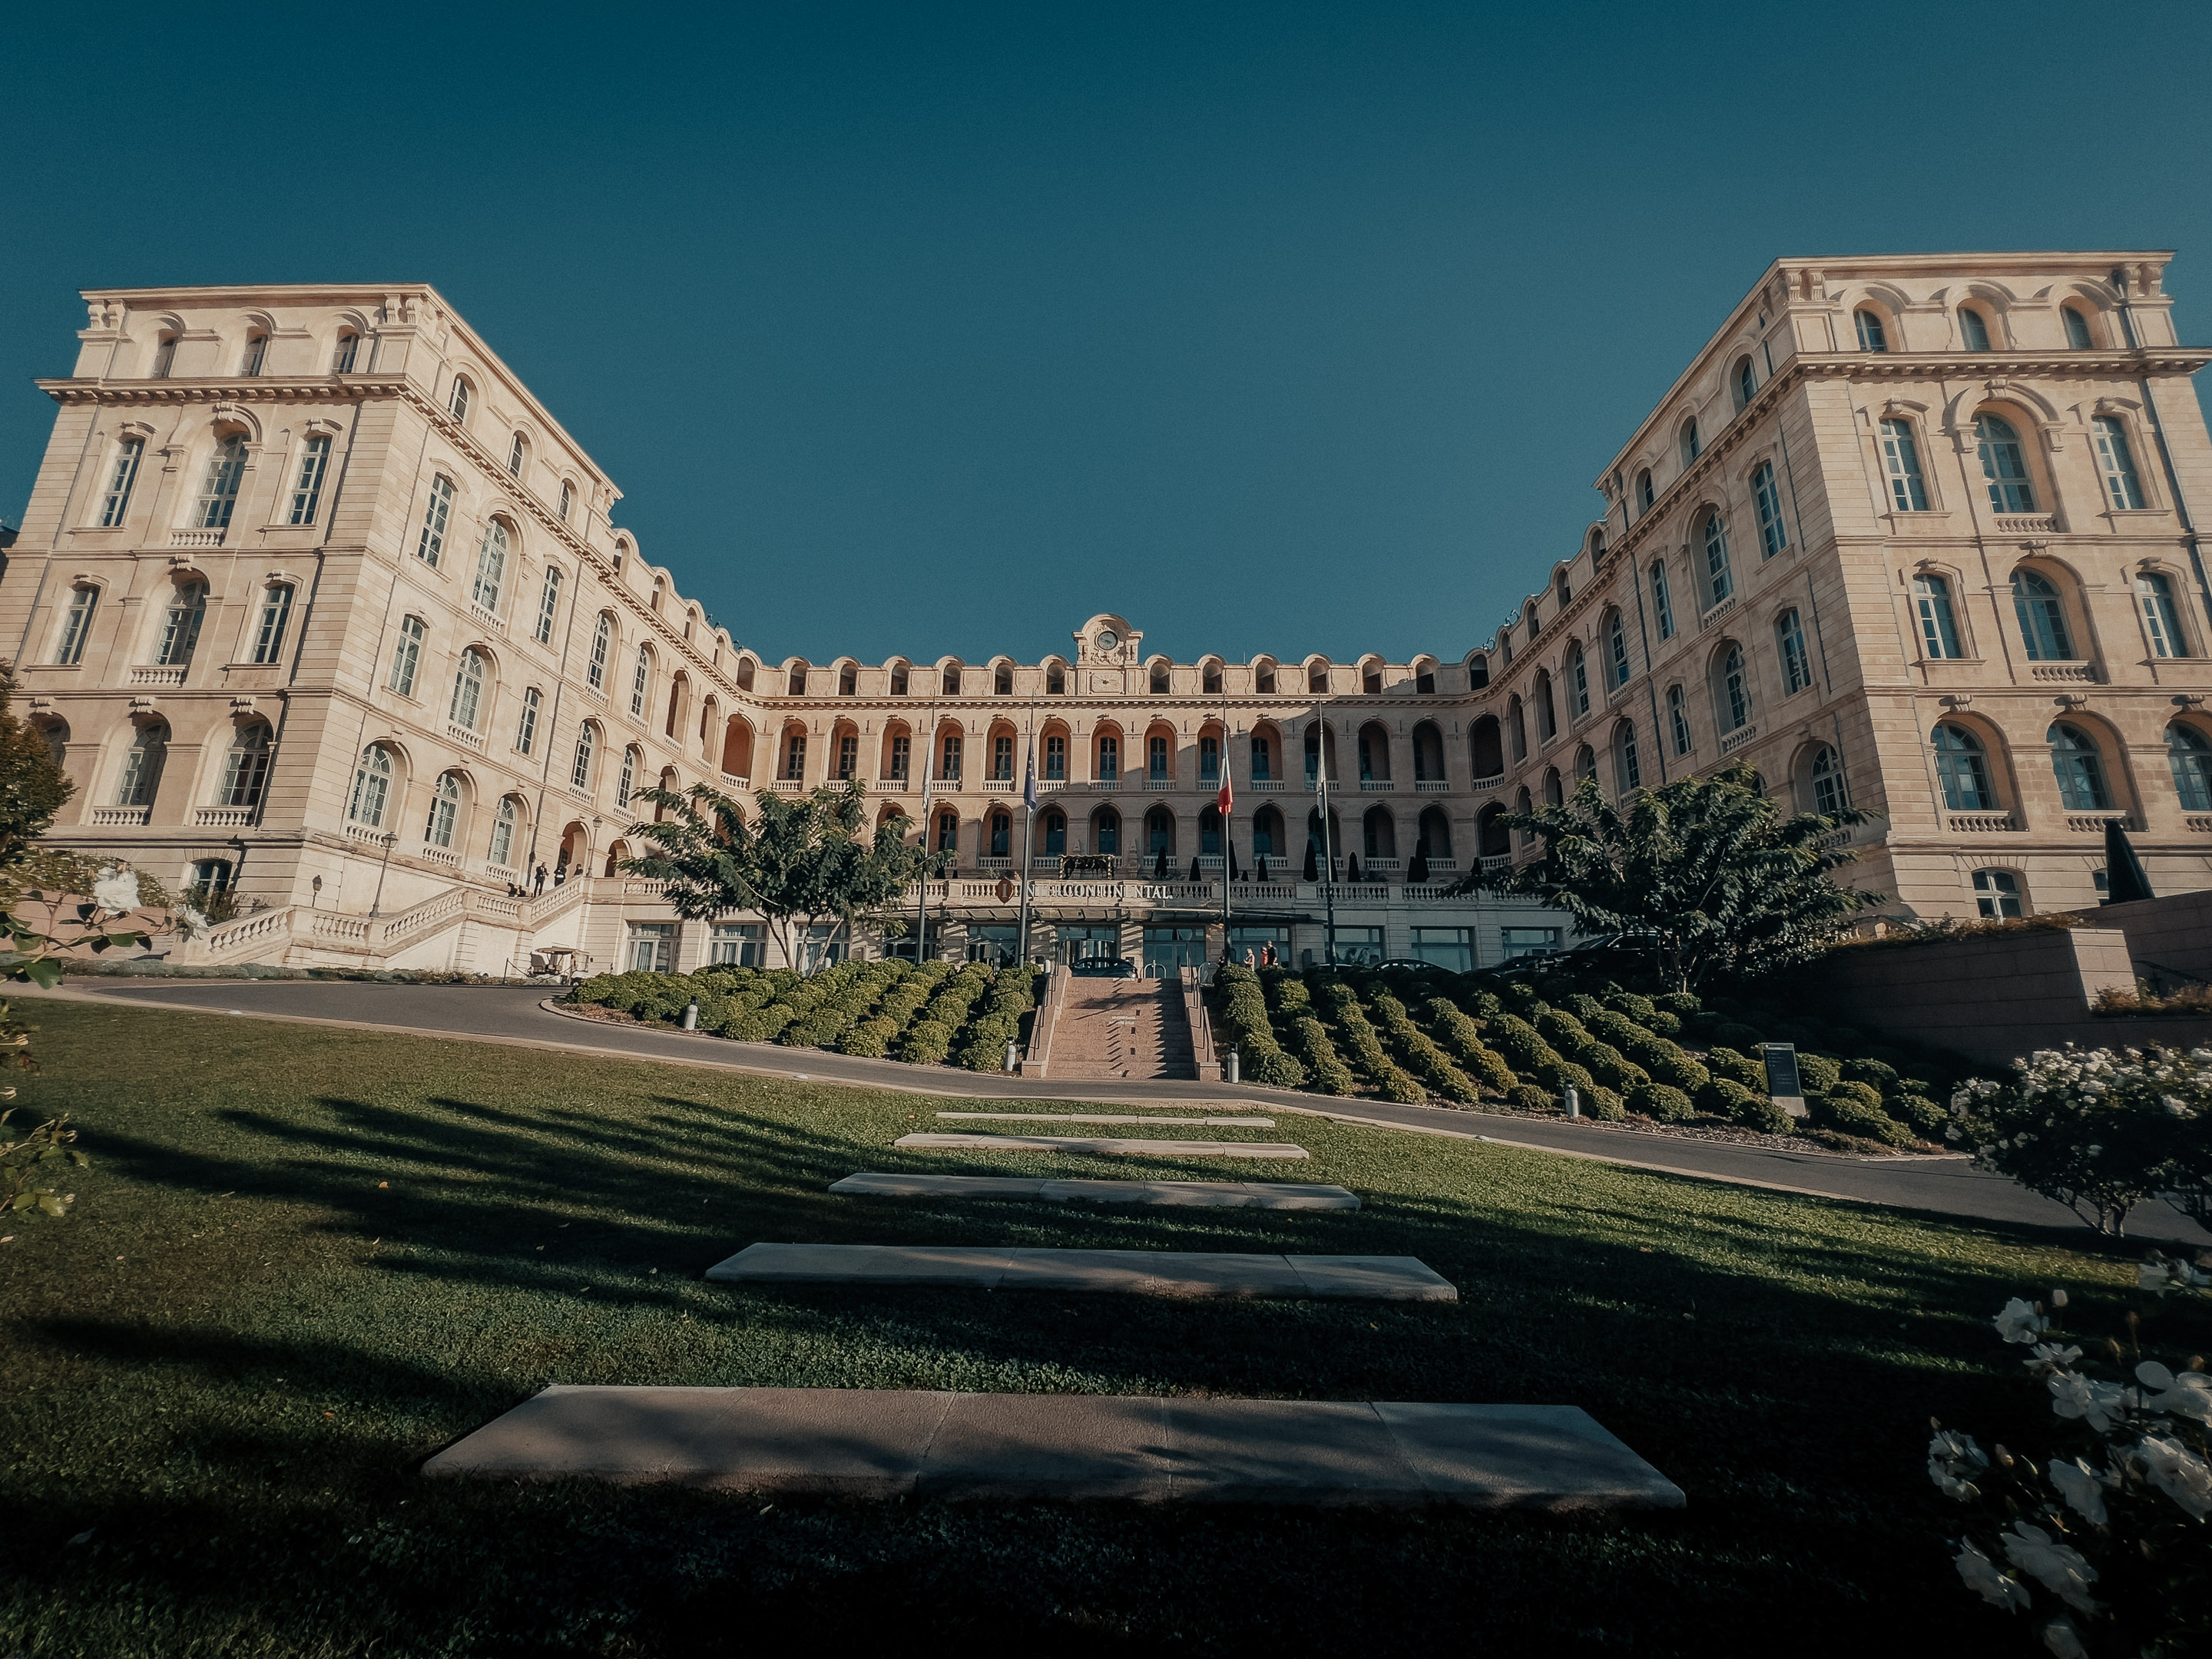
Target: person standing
(537, 883)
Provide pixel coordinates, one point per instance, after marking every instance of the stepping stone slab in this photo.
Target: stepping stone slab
(1199, 1194)
(1143, 1273)
(1007, 1447)
(1123, 1148)
(1108, 1117)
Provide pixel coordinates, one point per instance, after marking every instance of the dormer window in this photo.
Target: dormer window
(2077, 329)
(1973, 330)
(349, 348)
(257, 352)
(1212, 682)
(1055, 681)
(1002, 682)
(1691, 446)
(898, 680)
(1566, 593)
(457, 403)
(1264, 681)
(515, 457)
(1872, 336)
(1644, 494)
(1159, 677)
(165, 357)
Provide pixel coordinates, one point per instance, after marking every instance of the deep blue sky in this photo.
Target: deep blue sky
(926, 328)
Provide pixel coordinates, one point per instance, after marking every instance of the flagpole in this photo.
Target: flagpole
(922, 887)
(1327, 842)
(1029, 833)
(1228, 840)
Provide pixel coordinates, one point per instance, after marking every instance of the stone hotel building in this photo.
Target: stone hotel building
(318, 603)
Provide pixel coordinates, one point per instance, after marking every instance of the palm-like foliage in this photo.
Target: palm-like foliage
(803, 860)
(1706, 872)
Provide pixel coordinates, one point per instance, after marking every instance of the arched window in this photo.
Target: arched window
(602, 639)
(1766, 496)
(308, 487)
(165, 357)
(1478, 672)
(579, 773)
(1997, 896)
(1796, 661)
(2042, 617)
(276, 615)
(549, 605)
(1566, 593)
(1002, 834)
(1109, 759)
(949, 764)
(1374, 754)
(2116, 462)
(1159, 831)
(257, 352)
(181, 624)
(1872, 336)
(1900, 460)
(226, 471)
(1002, 680)
(142, 766)
(349, 349)
(491, 567)
(1720, 580)
(1747, 383)
(2077, 328)
(503, 825)
(457, 403)
(1689, 445)
(514, 455)
(435, 517)
(1055, 679)
(1547, 718)
(2080, 769)
(372, 787)
(1939, 627)
(2004, 466)
(1159, 677)
(525, 726)
(1055, 824)
(1210, 679)
(1267, 834)
(1578, 695)
(626, 784)
(1106, 831)
(468, 689)
(1826, 775)
(1585, 763)
(407, 655)
(1263, 757)
(246, 767)
(445, 812)
(1516, 726)
(1662, 601)
(1158, 761)
(1317, 677)
(2189, 757)
(116, 506)
(1962, 767)
(1055, 757)
(1320, 739)
(1732, 698)
(1263, 679)
(1379, 834)
(567, 499)
(1627, 765)
(1209, 758)
(1002, 757)
(1432, 835)
(1645, 494)
(899, 681)
(1555, 793)
(2161, 617)
(794, 756)
(1972, 330)
(1678, 719)
(641, 683)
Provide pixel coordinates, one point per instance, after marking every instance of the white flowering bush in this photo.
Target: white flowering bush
(2097, 1129)
(2104, 1543)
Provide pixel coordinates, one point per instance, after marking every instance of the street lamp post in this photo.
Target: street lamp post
(390, 840)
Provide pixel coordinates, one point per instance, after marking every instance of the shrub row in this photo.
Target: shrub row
(1243, 1006)
(1422, 1055)
(1343, 1006)
(983, 1046)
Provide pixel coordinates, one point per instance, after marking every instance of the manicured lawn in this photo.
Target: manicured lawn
(305, 1260)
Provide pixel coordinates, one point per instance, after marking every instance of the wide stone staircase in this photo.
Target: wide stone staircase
(1117, 1028)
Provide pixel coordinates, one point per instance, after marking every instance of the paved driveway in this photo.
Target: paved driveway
(1947, 1185)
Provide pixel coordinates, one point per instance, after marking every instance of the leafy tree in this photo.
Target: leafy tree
(1706, 872)
(32, 787)
(803, 860)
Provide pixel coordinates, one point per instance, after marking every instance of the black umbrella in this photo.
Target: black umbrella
(1194, 875)
(1313, 864)
(1160, 865)
(2124, 877)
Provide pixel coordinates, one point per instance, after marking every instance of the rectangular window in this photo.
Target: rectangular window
(1263, 760)
(342, 359)
(902, 758)
(1449, 948)
(407, 655)
(794, 757)
(1159, 757)
(1002, 758)
(1110, 762)
(1527, 941)
(435, 517)
(1772, 537)
(1055, 758)
(652, 947)
(1796, 663)
(307, 492)
(2117, 463)
(950, 771)
(1355, 947)
(77, 625)
(737, 943)
(514, 456)
(567, 497)
(128, 454)
(1939, 627)
(180, 629)
(1209, 759)
(1900, 460)
(219, 495)
(276, 613)
(2161, 619)
(525, 733)
(848, 758)
(641, 683)
(1678, 718)
(1663, 601)
(548, 602)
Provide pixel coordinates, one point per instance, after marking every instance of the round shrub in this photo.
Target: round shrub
(1270, 1067)
(1818, 1073)
(1658, 1100)
(1919, 1114)
(1639, 1009)
(1850, 1115)
(1881, 1074)
(926, 1043)
(1736, 1068)
(1734, 1034)
(1484, 1004)
(1603, 1104)
(1461, 1039)
(1330, 1075)
(1680, 1004)
(1723, 1097)
(1700, 1026)
(1612, 1068)
(758, 1025)
(1763, 1114)
(1864, 1093)
(1516, 1039)
(870, 1039)
(1530, 1097)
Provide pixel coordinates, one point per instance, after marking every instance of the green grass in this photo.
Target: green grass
(304, 1260)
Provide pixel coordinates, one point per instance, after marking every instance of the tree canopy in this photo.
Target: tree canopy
(803, 861)
(1706, 872)
(32, 787)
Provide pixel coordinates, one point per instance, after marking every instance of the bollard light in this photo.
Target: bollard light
(1573, 1098)
(691, 1015)
(1013, 1056)
(1234, 1068)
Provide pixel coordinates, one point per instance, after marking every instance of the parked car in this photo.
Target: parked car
(1408, 965)
(1103, 968)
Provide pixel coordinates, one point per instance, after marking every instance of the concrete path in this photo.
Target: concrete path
(1200, 1195)
(1138, 1272)
(499, 1014)
(866, 1442)
(1114, 1117)
(1139, 1148)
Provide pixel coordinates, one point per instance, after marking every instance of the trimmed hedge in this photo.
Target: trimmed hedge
(1330, 1075)
(1242, 1006)
(1422, 1055)
(1343, 1006)
(1463, 1039)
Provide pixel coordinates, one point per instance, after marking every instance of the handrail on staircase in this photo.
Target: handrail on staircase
(1201, 1030)
(1038, 1058)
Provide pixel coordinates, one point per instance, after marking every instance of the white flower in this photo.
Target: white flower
(2179, 1473)
(2100, 1403)
(2047, 1357)
(2152, 1276)
(2059, 1568)
(2189, 1395)
(2081, 1489)
(1952, 1461)
(2019, 1322)
(116, 889)
(1982, 1577)
(2063, 1640)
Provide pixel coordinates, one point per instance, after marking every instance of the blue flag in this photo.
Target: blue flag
(1029, 783)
